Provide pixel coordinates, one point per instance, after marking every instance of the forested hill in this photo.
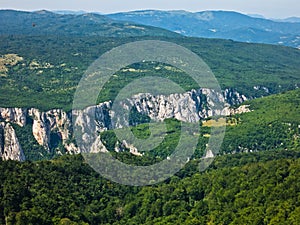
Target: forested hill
(258, 189)
(43, 72)
(49, 23)
(218, 24)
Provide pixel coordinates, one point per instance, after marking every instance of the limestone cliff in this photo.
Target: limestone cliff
(190, 106)
(40, 127)
(9, 144)
(14, 115)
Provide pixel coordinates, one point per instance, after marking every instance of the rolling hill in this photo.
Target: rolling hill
(48, 69)
(48, 23)
(218, 24)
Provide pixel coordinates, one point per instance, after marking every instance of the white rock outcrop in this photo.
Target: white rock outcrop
(190, 106)
(10, 148)
(40, 127)
(14, 115)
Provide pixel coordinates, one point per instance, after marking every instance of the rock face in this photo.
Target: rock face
(88, 129)
(190, 107)
(43, 124)
(240, 110)
(232, 97)
(133, 150)
(40, 127)
(179, 106)
(14, 115)
(10, 148)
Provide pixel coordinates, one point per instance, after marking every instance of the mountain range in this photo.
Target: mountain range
(48, 23)
(207, 24)
(219, 24)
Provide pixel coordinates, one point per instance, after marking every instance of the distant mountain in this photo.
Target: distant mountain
(289, 20)
(70, 12)
(218, 24)
(256, 16)
(48, 23)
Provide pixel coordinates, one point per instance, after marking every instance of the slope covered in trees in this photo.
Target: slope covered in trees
(218, 24)
(273, 123)
(49, 23)
(260, 188)
(47, 74)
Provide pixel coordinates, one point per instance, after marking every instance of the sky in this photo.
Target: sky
(267, 8)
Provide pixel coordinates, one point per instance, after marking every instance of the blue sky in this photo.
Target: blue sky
(268, 8)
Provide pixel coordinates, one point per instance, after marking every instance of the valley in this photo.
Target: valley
(45, 175)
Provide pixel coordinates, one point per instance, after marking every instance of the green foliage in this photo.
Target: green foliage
(235, 65)
(31, 148)
(259, 188)
(49, 23)
(136, 118)
(273, 124)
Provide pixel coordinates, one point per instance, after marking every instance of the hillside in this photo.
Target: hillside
(218, 24)
(48, 23)
(274, 123)
(45, 71)
(242, 189)
(269, 123)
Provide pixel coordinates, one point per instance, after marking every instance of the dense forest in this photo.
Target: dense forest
(256, 188)
(46, 69)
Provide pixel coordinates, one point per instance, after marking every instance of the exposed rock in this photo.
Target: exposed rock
(240, 110)
(100, 113)
(190, 107)
(14, 115)
(232, 97)
(179, 106)
(88, 123)
(40, 128)
(133, 150)
(98, 146)
(55, 120)
(9, 145)
(124, 146)
(60, 121)
(71, 148)
(262, 88)
(209, 154)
